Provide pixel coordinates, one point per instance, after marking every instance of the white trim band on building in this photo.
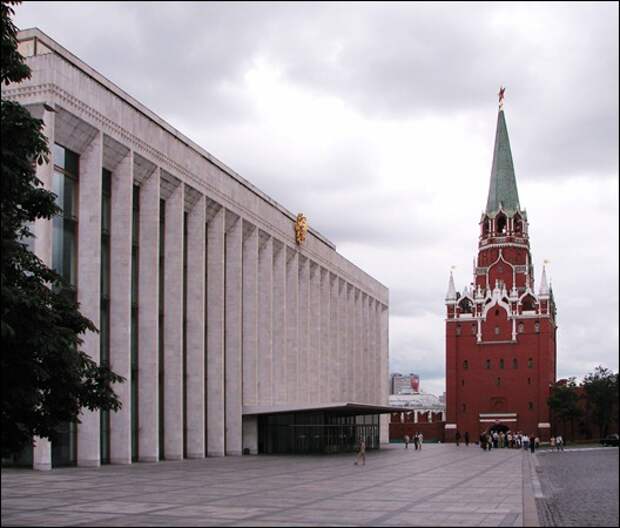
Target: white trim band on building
(499, 420)
(498, 415)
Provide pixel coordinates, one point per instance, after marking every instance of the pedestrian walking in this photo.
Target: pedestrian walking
(361, 454)
(525, 441)
(552, 442)
(458, 438)
(489, 442)
(483, 441)
(495, 439)
(466, 438)
(532, 443)
(406, 441)
(420, 440)
(559, 442)
(416, 441)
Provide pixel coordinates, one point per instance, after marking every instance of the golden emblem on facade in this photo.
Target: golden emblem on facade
(301, 228)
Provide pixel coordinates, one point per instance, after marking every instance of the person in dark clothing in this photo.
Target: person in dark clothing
(466, 438)
(458, 438)
(532, 443)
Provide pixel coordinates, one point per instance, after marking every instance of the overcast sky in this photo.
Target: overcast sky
(378, 120)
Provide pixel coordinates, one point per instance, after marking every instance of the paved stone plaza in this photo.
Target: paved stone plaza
(440, 485)
(580, 487)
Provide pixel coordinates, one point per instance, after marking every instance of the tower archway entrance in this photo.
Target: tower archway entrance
(498, 427)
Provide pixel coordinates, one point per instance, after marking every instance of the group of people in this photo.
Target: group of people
(557, 443)
(418, 438)
(498, 439)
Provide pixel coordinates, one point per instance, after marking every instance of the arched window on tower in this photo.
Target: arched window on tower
(466, 306)
(485, 227)
(500, 224)
(518, 225)
(514, 363)
(528, 304)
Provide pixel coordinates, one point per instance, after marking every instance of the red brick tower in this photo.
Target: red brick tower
(500, 331)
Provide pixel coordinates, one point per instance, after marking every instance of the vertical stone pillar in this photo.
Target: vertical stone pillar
(89, 280)
(351, 360)
(342, 341)
(334, 379)
(372, 352)
(325, 343)
(384, 430)
(173, 325)
(279, 322)
(43, 233)
(292, 315)
(265, 319)
(315, 332)
(148, 320)
(303, 392)
(120, 306)
(415, 416)
(250, 434)
(358, 343)
(366, 370)
(250, 314)
(195, 329)
(233, 378)
(215, 334)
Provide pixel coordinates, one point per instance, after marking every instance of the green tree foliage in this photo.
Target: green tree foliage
(563, 402)
(601, 387)
(46, 378)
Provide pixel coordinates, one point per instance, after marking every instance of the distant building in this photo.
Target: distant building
(404, 384)
(427, 415)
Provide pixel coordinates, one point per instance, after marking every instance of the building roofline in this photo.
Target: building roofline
(35, 32)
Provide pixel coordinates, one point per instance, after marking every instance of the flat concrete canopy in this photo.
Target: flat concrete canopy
(345, 408)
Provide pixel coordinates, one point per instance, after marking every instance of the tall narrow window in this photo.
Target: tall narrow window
(537, 327)
(520, 328)
(465, 365)
(530, 406)
(463, 408)
(473, 329)
(498, 382)
(501, 363)
(64, 262)
(104, 325)
(162, 271)
(487, 364)
(514, 363)
(530, 363)
(135, 229)
(458, 330)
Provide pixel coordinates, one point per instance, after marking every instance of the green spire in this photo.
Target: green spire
(503, 188)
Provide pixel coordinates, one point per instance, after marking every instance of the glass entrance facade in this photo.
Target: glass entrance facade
(316, 433)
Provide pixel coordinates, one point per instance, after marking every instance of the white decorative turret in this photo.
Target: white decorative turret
(451, 295)
(514, 293)
(544, 288)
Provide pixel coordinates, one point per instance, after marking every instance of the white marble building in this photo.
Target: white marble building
(244, 322)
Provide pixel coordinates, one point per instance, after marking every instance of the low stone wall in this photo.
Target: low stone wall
(433, 432)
